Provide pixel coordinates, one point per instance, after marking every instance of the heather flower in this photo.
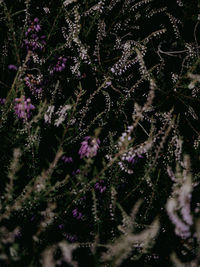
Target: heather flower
(2, 101)
(62, 113)
(181, 228)
(34, 26)
(67, 159)
(71, 238)
(23, 107)
(131, 160)
(34, 83)
(128, 161)
(89, 147)
(178, 205)
(46, 10)
(76, 214)
(34, 41)
(100, 186)
(67, 2)
(12, 67)
(82, 198)
(48, 114)
(76, 172)
(60, 65)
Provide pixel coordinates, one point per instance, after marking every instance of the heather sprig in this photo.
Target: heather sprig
(99, 112)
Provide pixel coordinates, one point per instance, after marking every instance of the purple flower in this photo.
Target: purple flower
(34, 26)
(12, 67)
(76, 214)
(89, 147)
(61, 226)
(83, 198)
(67, 159)
(34, 41)
(23, 107)
(128, 161)
(2, 101)
(76, 172)
(71, 238)
(60, 65)
(131, 159)
(100, 186)
(34, 83)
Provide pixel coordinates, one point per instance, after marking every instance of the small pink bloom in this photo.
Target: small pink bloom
(89, 147)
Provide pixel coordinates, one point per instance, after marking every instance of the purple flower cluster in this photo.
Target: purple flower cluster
(133, 159)
(34, 84)
(71, 238)
(60, 65)
(100, 186)
(89, 147)
(2, 101)
(67, 159)
(34, 27)
(12, 67)
(34, 41)
(128, 161)
(76, 214)
(23, 107)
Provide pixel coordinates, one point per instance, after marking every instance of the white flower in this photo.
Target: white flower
(62, 112)
(48, 114)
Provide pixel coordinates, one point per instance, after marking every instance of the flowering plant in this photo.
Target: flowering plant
(100, 133)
